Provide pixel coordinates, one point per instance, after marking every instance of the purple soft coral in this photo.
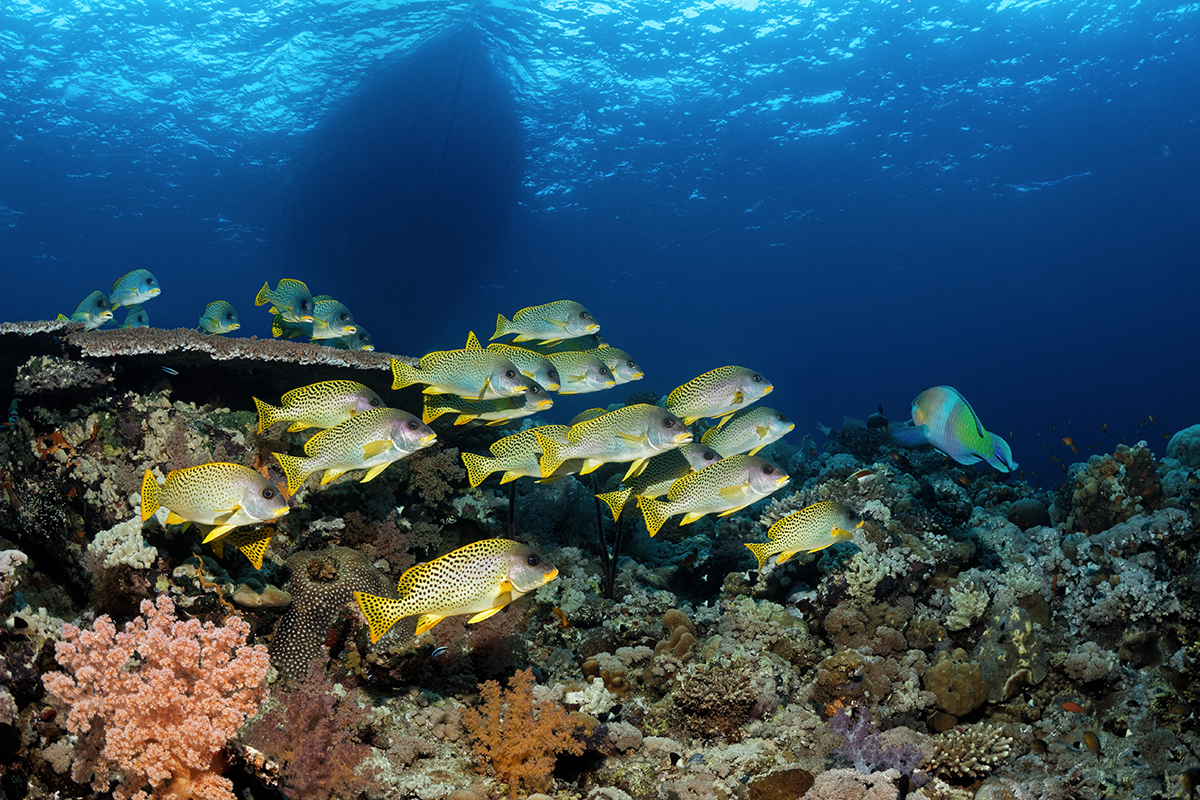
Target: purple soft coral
(861, 744)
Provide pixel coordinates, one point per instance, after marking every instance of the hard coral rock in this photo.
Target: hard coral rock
(1185, 446)
(957, 681)
(969, 751)
(1011, 655)
(1109, 489)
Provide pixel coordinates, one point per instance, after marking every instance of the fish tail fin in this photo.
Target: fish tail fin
(403, 375)
(431, 409)
(268, 414)
(277, 328)
(616, 500)
(381, 613)
(478, 468)
(62, 317)
(501, 327)
(912, 437)
(296, 470)
(552, 457)
(759, 549)
(149, 495)
(264, 294)
(655, 512)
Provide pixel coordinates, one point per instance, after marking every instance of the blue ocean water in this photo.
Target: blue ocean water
(858, 199)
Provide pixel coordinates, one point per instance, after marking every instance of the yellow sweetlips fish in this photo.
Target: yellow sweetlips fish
(580, 373)
(548, 323)
(360, 340)
(221, 495)
(808, 530)
(533, 365)
(473, 373)
(660, 473)
(93, 312)
(133, 288)
(727, 486)
(629, 434)
(519, 456)
(748, 431)
(943, 418)
(318, 405)
(493, 412)
(718, 393)
(136, 317)
(370, 440)
(479, 579)
(620, 364)
(218, 317)
(291, 300)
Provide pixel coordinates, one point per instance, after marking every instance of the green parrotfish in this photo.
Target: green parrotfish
(318, 405)
(224, 496)
(943, 418)
(718, 393)
(806, 531)
(548, 323)
(479, 579)
(722, 488)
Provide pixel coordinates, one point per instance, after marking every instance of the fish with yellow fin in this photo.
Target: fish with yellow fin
(133, 288)
(660, 473)
(479, 579)
(748, 431)
(533, 365)
(218, 318)
(224, 496)
(808, 530)
(620, 364)
(722, 488)
(136, 317)
(94, 311)
(518, 456)
(580, 373)
(718, 393)
(472, 372)
(370, 440)
(629, 434)
(492, 412)
(290, 300)
(943, 418)
(548, 323)
(318, 405)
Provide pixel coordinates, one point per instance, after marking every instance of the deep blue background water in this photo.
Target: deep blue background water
(858, 199)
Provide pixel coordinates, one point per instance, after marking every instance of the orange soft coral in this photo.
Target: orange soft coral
(519, 735)
(154, 707)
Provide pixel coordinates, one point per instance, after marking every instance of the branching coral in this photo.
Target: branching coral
(519, 736)
(969, 751)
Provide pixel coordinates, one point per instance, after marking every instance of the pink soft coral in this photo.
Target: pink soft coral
(154, 707)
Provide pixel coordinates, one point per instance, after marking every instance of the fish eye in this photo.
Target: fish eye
(374, 401)
(533, 560)
(709, 455)
(508, 373)
(229, 317)
(668, 423)
(758, 378)
(584, 315)
(768, 469)
(303, 305)
(412, 426)
(344, 316)
(149, 281)
(268, 493)
(604, 370)
(631, 363)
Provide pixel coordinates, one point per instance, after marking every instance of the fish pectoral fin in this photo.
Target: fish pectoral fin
(486, 383)
(222, 517)
(632, 438)
(754, 450)
(761, 431)
(427, 621)
(218, 532)
(482, 615)
(732, 492)
(739, 397)
(433, 390)
(372, 449)
(374, 471)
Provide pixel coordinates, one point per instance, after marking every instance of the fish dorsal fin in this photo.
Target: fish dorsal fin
(473, 342)
(482, 615)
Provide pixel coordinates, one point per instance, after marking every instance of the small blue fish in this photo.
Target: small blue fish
(93, 312)
(943, 418)
(219, 317)
(437, 651)
(170, 371)
(133, 288)
(13, 415)
(136, 317)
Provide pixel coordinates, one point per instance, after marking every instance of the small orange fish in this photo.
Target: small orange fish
(1069, 442)
(1092, 742)
(1069, 706)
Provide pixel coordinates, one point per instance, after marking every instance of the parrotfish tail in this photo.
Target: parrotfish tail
(759, 551)
(264, 295)
(551, 458)
(501, 327)
(478, 468)
(294, 468)
(616, 500)
(655, 513)
(266, 414)
(149, 495)
(910, 436)
(403, 374)
(381, 613)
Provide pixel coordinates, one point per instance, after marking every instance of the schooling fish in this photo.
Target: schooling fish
(473, 373)
(479, 579)
(580, 373)
(518, 456)
(548, 323)
(218, 317)
(722, 488)
(290, 300)
(718, 393)
(133, 288)
(331, 319)
(620, 364)
(360, 340)
(660, 473)
(944, 419)
(494, 412)
(371, 440)
(748, 431)
(629, 434)
(218, 494)
(136, 317)
(808, 530)
(93, 312)
(532, 365)
(318, 405)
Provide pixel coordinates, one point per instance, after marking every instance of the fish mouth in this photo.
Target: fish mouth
(781, 482)
(428, 439)
(770, 388)
(279, 512)
(592, 327)
(683, 438)
(307, 318)
(155, 292)
(551, 575)
(349, 329)
(369, 348)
